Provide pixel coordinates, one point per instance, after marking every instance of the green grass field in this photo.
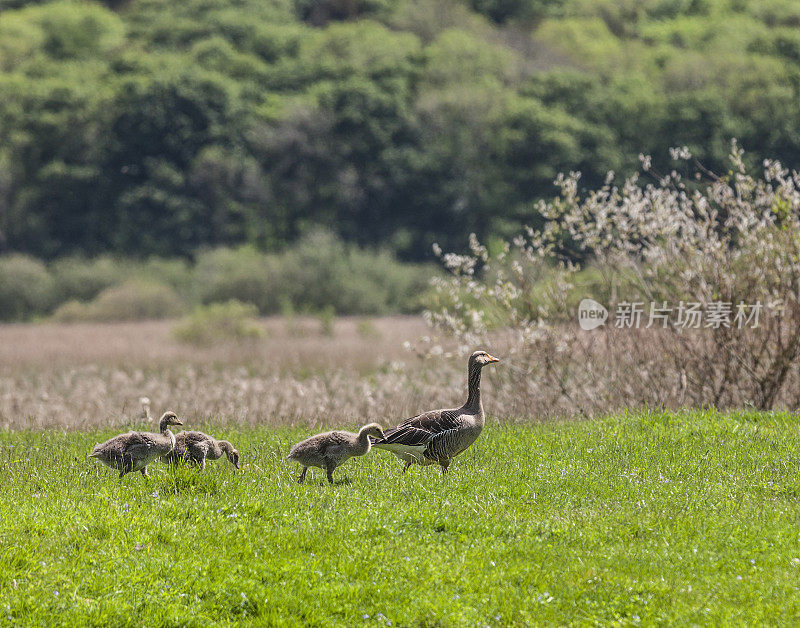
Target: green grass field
(646, 518)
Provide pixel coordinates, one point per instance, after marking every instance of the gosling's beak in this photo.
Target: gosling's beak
(492, 359)
(178, 422)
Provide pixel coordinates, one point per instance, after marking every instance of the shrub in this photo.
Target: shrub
(176, 273)
(718, 242)
(219, 322)
(366, 329)
(241, 274)
(135, 299)
(26, 288)
(72, 311)
(322, 271)
(327, 321)
(318, 272)
(83, 279)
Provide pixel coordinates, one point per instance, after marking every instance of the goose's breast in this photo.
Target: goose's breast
(452, 442)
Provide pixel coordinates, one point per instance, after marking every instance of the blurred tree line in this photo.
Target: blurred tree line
(155, 127)
(318, 273)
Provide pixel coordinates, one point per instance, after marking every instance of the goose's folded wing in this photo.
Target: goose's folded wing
(419, 430)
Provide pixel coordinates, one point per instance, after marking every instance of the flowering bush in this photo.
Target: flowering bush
(719, 252)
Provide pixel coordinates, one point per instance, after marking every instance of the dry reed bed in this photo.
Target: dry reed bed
(290, 344)
(88, 375)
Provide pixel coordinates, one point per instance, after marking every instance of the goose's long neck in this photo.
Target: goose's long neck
(474, 384)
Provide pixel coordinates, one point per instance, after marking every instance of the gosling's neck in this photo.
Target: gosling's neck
(230, 452)
(363, 442)
(165, 431)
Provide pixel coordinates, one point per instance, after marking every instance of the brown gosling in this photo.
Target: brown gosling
(197, 447)
(135, 450)
(330, 449)
(438, 436)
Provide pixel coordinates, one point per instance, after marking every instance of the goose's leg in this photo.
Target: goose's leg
(330, 465)
(302, 475)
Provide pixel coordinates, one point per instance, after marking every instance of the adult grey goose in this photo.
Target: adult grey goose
(438, 436)
(198, 447)
(135, 450)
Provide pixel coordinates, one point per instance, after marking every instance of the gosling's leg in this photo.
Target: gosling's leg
(408, 464)
(202, 463)
(145, 473)
(302, 475)
(329, 467)
(127, 466)
(445, 464)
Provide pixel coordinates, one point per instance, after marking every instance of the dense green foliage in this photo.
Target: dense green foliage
(653, 518)
(318, 273)
(156, 127)
(217, 322)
